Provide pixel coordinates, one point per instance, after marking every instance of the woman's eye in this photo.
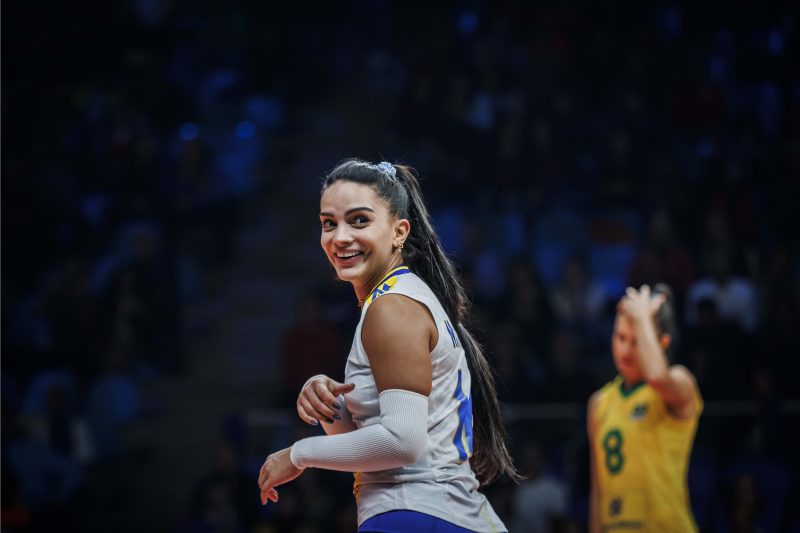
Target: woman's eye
(328, 224)
(361, 219)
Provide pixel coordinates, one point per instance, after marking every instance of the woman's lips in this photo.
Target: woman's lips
(349, 261)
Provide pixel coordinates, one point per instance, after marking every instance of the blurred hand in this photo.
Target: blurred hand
(317, 401)
(639, 305)
(276, 470)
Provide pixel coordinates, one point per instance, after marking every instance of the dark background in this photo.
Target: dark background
(164, 294)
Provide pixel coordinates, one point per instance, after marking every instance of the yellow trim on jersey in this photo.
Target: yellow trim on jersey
(356, 484)
(465, 442)
(386, 284)
(488, 520)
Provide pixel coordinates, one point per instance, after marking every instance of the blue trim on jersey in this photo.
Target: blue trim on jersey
(463, 436)
(452, 333)
(383, 287)
(402, 521)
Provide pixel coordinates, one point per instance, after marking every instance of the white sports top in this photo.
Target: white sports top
(441, 483)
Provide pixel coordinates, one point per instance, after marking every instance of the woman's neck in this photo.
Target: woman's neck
(629, 384)
(363, 290)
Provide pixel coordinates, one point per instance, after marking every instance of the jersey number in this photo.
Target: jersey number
(463, 437)
(612, 444)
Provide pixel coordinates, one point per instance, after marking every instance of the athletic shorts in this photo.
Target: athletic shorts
(408, 522)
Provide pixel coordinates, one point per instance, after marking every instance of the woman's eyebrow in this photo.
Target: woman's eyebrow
(354, 209)
(351, 210)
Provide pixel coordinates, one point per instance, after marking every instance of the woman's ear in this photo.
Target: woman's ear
(666, 340)
(401, 230)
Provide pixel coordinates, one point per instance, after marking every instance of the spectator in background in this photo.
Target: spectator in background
(518, 370)
(778, 334)
(311, 345)
(130, 325)
(567, 379)
(15, 514)
(577, 300)
(766, 436)
(530, 309)
(542, 500)
(224, 498)
(58, 425)
(744, 508)
(717, 351)
(662, 258)
(74, 315)
(735, 297)
(154, 282)
(48, 479)
(113, 402)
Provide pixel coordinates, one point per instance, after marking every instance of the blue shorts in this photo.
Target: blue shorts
(408, 522)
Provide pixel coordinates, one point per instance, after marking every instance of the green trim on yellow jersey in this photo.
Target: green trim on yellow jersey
(627, 391)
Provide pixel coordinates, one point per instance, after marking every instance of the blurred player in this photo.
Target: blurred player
(403, 422)
(642, 424)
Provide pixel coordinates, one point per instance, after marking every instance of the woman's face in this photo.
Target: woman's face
(623, 347)
(625, 351)
(359, 234)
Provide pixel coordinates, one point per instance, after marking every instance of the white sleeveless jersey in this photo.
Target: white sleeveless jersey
(441, 483)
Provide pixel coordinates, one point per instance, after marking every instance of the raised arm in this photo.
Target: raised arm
(674, 383)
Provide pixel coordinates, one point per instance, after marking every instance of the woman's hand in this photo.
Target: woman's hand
(639, 305)
(317, 401)
(276, 470)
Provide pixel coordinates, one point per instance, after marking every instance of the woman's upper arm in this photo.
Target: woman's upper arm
(397, 335)
(679, 391)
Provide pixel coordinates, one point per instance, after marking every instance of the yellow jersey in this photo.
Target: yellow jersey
(641, 456)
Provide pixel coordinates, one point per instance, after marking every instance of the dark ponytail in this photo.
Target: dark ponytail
(665, 316)
(491, 458)
(423, 253)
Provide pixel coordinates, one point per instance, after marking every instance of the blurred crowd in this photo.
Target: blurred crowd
(567, 150)
(126, 157)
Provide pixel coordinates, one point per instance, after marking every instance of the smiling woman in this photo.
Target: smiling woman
(417, 418)
(360, 235)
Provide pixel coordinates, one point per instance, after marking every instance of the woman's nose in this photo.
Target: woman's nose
(342, 235)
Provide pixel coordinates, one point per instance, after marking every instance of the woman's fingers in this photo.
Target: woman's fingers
(263, 473)
(312, 414)
(656, 302)
(269, 495)
(342, 388)
(316, 409)
(323, 391)
(325, 412)
(263, 478)
(318, 400)
(305, 417)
